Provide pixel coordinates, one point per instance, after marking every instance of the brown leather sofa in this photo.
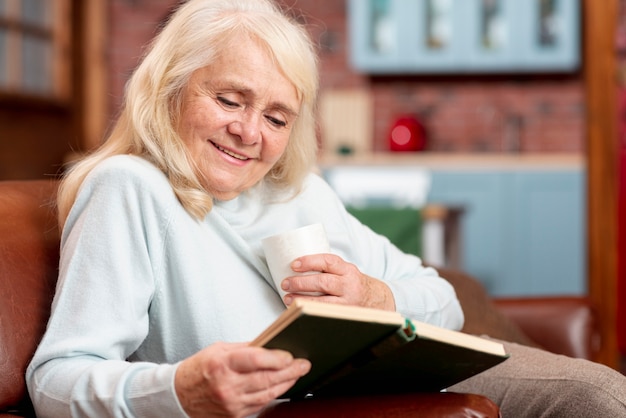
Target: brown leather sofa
(29, 241)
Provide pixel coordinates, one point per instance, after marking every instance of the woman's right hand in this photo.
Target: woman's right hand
(235, 379)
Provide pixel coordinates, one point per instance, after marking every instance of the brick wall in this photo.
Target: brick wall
(531, 113)
(132, 24)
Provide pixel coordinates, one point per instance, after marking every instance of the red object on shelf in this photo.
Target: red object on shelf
(407, 134)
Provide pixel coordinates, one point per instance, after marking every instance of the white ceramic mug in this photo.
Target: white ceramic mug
(282, 249)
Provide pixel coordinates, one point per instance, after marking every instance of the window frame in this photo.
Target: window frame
(55, 32)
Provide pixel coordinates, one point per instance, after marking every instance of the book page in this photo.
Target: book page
(458, 338)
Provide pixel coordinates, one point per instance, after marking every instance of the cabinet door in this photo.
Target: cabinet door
(392, 36)
(551, 40)
(523, 231)
(483, 226)
(547, 241)
(493, 34)
(435, 34)
(375, 34)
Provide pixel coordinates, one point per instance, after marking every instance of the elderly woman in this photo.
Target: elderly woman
(162, 277)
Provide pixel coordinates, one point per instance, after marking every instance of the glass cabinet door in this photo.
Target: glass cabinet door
(374, 33)
(382, 34)
(552, 39)
(493, 29)
(34, 39)
(435, 40)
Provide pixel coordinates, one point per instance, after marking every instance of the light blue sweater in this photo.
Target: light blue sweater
(143, 285)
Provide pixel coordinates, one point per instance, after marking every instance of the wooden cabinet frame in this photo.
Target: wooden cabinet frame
(95, 74)
(600, 71)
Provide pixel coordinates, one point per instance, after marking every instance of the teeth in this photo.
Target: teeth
(232, 154)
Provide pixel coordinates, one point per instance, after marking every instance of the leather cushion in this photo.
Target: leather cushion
(445, 404)
(481, 315)
(564, 324)
(29, 252)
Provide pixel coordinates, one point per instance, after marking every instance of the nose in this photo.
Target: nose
(247, 126)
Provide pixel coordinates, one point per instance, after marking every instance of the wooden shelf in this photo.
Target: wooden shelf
(452, 161)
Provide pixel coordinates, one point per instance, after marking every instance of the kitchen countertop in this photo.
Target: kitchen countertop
(461, 161)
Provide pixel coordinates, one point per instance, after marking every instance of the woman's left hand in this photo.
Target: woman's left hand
(338, 282)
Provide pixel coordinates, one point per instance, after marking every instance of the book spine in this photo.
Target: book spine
(389, 344)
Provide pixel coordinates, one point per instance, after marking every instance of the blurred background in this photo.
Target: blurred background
(500, 123)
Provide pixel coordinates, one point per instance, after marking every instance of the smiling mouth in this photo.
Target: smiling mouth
(232, 154)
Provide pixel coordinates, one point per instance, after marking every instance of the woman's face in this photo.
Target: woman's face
(237, 116)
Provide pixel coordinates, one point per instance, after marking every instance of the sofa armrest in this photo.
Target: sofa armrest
(481, 315)
(563, 325)
(29, 258)
(16, 414)
(410, 405)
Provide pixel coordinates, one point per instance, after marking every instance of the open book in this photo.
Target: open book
(357, 351)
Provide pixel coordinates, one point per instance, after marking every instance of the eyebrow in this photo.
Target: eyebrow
(280, 106)
(284, 108)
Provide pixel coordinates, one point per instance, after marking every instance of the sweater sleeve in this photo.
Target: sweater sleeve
(100, 310)
(419, 292)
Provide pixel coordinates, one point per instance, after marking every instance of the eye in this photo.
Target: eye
(275, 121)
(226, 102)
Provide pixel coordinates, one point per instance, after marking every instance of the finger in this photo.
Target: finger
(318, 284)
(325, 263)
(257, 400)
(273, 383)
(238, 391)
(335, 275)
(254, 401)
(250, 359)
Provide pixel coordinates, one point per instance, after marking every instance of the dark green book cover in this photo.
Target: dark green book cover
(418, 365)
(355, 351)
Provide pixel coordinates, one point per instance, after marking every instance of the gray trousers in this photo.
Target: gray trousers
(535, 383)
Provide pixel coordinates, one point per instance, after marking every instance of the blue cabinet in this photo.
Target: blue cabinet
(523, 231)
(435, 36)
(524, 220)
